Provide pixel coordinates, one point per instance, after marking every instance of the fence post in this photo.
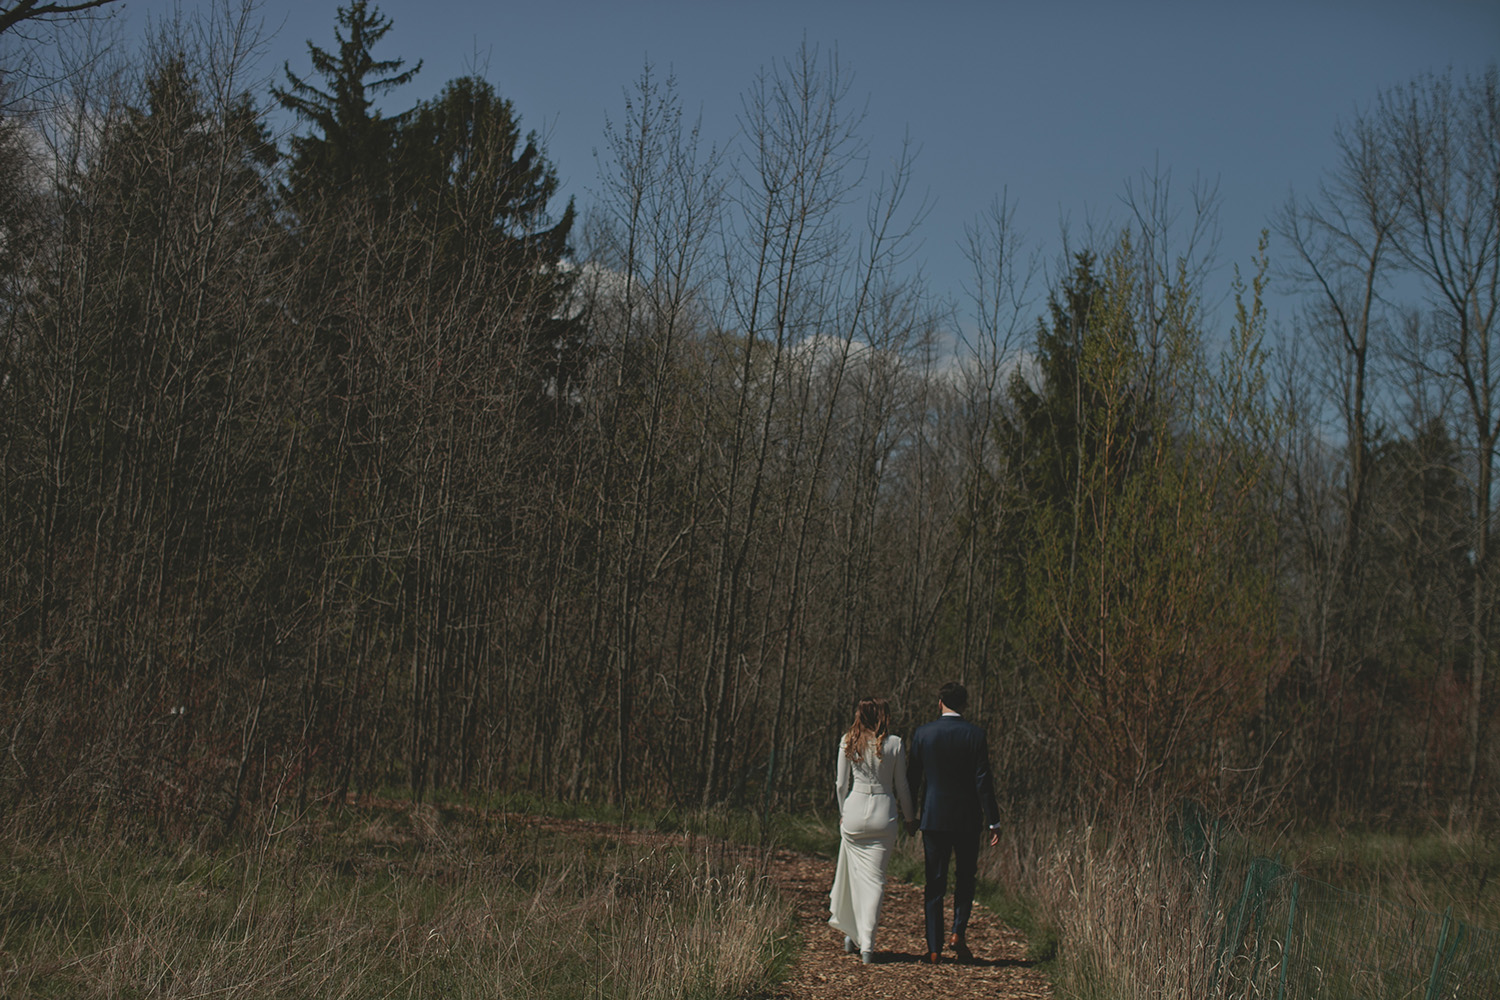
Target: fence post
(1437, 959)
(1286, 944)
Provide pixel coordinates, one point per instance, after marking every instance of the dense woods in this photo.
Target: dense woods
(361, 460)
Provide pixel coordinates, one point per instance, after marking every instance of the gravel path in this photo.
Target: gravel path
(999, 971)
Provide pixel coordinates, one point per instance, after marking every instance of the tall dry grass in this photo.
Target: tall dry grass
(1128, 910)
(1139, 915)
(387, 905)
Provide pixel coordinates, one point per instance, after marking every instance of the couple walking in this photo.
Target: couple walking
(948, 768)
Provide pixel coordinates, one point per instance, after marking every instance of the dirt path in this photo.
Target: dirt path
(999, 971)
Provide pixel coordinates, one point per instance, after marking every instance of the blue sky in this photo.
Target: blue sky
(1058, 104)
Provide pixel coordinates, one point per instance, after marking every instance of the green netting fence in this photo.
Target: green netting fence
(1289, 937)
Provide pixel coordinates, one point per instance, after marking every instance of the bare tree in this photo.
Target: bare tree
(1443, 142)
(802, 149)
(23, 11)
(993, 353)
(1343, 257)
(662, 201)
(1399, 255)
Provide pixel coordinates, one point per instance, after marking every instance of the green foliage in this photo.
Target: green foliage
(1431, 870)
(1140, 629)
(176, 196)
(463, 162)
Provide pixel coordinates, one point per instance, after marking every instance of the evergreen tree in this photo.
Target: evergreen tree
(463, 161)
(158, 159)
(443, 203)
(1091, 403)
(480, 194)
(136, 429)
(350, 152)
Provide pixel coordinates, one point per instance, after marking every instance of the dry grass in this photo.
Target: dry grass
(389, 904)
(1128, 912)
(1138, 918)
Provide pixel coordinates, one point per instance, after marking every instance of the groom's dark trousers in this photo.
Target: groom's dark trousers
(948, 768)
(937, 847)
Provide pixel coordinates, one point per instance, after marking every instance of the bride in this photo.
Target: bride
(871, 781)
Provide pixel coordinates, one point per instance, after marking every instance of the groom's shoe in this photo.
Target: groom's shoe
(960, 947)
(933, 958)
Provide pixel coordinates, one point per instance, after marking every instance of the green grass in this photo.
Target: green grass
(1043, 944)
(1431, 870)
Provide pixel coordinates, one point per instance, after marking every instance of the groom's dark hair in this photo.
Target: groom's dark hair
(954, 695)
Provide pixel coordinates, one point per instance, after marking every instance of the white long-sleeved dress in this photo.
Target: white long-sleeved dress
(869, 791)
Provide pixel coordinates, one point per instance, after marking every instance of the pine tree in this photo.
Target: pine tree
(1091, 404)
(480, 193)
(350, 153)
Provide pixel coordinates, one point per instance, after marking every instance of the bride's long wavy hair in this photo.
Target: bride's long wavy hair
(872, 721)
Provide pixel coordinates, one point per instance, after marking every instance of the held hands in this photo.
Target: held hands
(911, 830)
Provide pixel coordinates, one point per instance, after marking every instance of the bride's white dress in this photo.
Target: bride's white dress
(869, 791)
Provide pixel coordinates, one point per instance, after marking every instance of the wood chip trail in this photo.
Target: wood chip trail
(1000, 970)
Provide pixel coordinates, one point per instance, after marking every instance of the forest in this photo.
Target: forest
(363, 461)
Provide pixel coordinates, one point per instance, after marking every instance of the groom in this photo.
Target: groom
(948, 769)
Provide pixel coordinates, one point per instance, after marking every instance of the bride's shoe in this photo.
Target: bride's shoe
(867, 957)
(849, 945)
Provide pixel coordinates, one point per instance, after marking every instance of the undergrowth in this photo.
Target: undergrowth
(389, 901)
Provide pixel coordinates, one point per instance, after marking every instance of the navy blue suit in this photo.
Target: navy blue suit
(948, 769)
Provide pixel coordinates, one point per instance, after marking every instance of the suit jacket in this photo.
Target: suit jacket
(948, 769)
